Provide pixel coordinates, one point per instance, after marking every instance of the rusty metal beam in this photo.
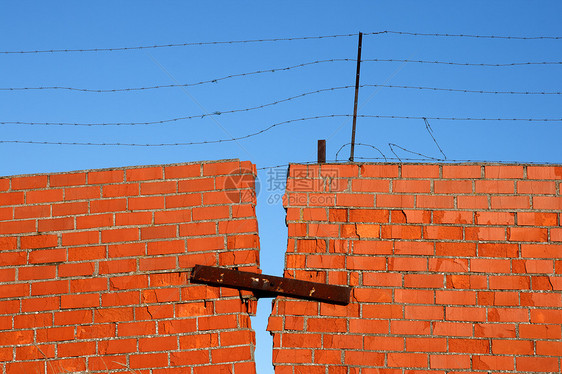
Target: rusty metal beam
(270, 286)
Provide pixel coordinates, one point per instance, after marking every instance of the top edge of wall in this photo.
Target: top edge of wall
(483, 163)
(125, 167)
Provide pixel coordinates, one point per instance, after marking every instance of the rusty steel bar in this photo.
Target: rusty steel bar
(270, 286)
(321, 151)
(357, 75)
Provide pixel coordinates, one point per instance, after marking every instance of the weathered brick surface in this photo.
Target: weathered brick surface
(91, 270)
(455, 268)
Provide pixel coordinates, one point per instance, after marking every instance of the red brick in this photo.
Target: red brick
(462, 171)
(29, 182)
(183, 200)
(133, 218)
(423, 312)
(469, 345)
(549, 348)
(442, 232)
(420, 171)
(413, 248)
(36, 272)
(485, 233)
(407, 264)
(120, 190)
(504, 171)
(448, 265)
(465, 314)
(536, 219)
(495, 218)
(411, 186)
(11, 198)
(382, 279)
(538, 364)
(106, 176)
(472, 202)
(544, 172)
(80, 238)
(183, 171)
(145, 173)
(157, 263)
(540, 332)
(13, 258)
(17, 227)
(55, 334)
(407, 360)
(370, 185)
(401, 232)
(480, 265)
(67, 179)
(67, 209)
(211, 243)
(449, 361)
(76, 269)
(435, 202)
(47, 256)
(31, 211)
(395, 201)
(210, 213)
(119, 235)
(422, 280)
(82, 193)
(527, 234)
(494, 330)
(44, 196)
(96, 220)
(146, 203)
(409, 327)
(38, 241)
(55, 224)
(452, 329)
(452, 187)
(77, 349)
(73, 317)
(161, 343)
(158, 232)
(379, 171)
(536, 187)
(80, 301)
(7, 214)
(108, 205)
(426, 344)
(455, 297)
(115, 346)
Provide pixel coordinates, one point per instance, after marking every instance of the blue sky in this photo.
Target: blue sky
(35, 25)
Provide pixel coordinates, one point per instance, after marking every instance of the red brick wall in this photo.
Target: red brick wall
(455, 268)
(89, 267)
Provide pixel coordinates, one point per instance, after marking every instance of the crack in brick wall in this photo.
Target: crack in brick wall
(92, 270)
(455, 268)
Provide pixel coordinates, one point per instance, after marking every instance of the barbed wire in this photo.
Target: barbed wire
(467, 35)
(268, 40)
(158, 122)
(361, 144)
(179, 143)
(465, 90)
(214, 80)
(463, 63)
(275, 70)
(170, 45)
(263, 130)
